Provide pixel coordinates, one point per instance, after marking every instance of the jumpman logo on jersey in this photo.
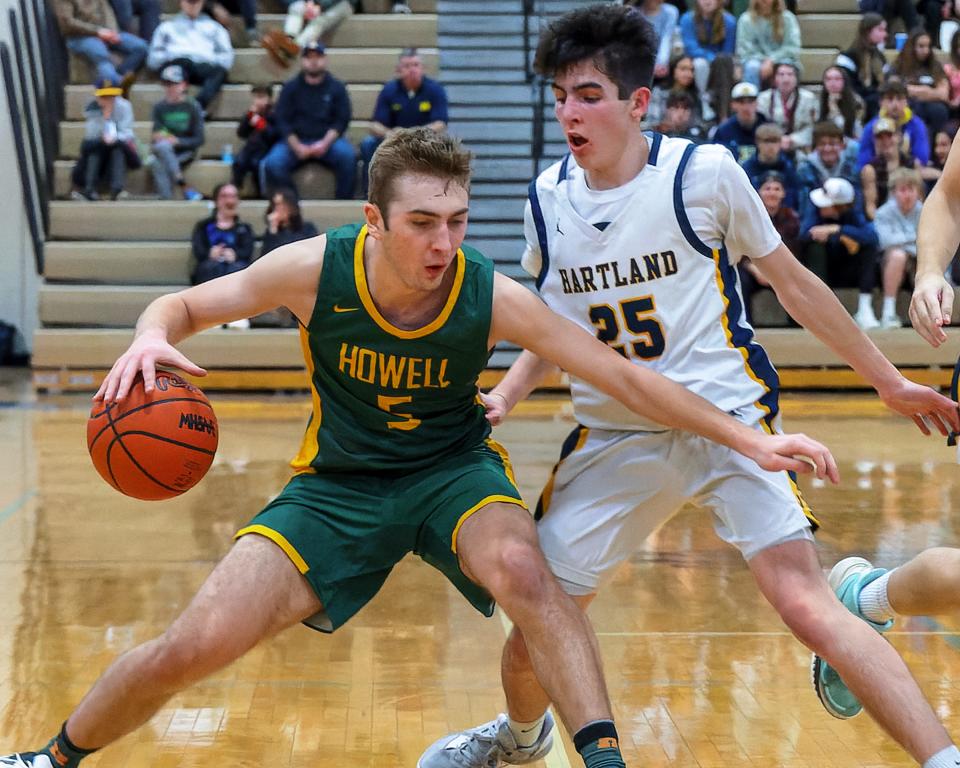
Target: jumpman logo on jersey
(558, 228)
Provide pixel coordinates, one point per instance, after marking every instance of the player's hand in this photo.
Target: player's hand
(922, 404)
(495, 405)
(795, 453)
(931, 307)
(147, 351)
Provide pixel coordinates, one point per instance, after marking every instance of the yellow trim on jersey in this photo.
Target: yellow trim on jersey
(360, 276)
(476, 508)
(498, 449)
(310, 446)
(280, 540)
(547, 493)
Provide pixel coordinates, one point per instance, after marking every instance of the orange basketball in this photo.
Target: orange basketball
(154, 446)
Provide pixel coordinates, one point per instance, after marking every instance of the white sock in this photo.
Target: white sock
(873, 600)
(948, 757)
(527, 734)
(866, 303)
(889, 306)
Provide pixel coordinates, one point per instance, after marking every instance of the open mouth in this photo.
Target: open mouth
(576, 140)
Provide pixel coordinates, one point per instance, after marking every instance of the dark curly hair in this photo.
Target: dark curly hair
(617, 39)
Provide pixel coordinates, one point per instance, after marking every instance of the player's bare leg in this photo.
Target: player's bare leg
(927, 585)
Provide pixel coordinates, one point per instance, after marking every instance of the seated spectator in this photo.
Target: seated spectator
(791, 107)
(312, 113)
(928, 89)
(839, 245)
(893, 106)
(952, 70)
(147, 13)
(409, 101)
(177, 135)
(90, 30)
(770, 157)
(679, 80)
(840, 104)
(708, 32)
(875, 175)
(896, 225)
(664, 18)
(827, 161)
(678, 119)
(737, 132)
(108, 143)
(787, 223)
(865, 63)
(307, 22)
(197, 44)
(766, 34)
(934, 169)
(904, 10)
(949, 23)
(285, 223)
(221, 243)
(259, 130)
(224, 10)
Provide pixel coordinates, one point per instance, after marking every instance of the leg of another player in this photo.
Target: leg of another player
(252, 594)
(929, 584)
(790, 577)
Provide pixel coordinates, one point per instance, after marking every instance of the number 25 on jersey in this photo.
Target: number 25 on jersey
(636, 316)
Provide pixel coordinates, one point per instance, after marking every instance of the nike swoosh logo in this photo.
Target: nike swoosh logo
(338, 308)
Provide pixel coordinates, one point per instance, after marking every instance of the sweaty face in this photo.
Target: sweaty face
(427, 219)
(596, 122)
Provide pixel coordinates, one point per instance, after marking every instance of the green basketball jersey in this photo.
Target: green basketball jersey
(385, 398)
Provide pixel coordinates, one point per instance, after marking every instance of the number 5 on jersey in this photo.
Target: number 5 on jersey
(636, 316)
(385, 403)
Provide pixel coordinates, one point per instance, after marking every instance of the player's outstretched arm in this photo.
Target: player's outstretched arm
(524, 376)
(287, 277)
(521, 317)
(937, 238)
(812, 304)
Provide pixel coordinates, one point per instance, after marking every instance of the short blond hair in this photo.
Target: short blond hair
(418, 151)
(904, 176)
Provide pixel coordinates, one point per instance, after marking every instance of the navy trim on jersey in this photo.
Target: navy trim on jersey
(681, 211)
(541, 226)
(562, 175)
(569, 445)
(655, 140)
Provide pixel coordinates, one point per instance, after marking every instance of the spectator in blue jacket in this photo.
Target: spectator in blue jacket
(312, 115)
(409, 101)
(770, 157)
(893, 105)
(707, 31)
(840, 245)
(827, 160)
(736, 133)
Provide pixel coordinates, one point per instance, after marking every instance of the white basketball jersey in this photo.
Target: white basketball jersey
(646, 284)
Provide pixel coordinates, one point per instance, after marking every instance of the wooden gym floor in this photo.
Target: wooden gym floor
(700, 670)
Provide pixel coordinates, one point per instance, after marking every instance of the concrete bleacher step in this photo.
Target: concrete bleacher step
(114, 306)
(823, 30)
(123, 263)
(829, 6)
(231, 104)
(368, 6)
(418, 30)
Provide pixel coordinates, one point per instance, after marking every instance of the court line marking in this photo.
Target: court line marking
(16, 505)
(902, 632)
(556, 757)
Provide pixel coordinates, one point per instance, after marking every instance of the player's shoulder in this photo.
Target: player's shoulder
(551, 177)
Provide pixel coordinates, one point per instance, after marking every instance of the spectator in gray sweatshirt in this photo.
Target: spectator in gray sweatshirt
(177, 134)
(198, 44)
(896, 224)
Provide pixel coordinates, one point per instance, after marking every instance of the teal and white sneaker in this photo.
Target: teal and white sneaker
(27, 760)
(486, 746)
(847, 579)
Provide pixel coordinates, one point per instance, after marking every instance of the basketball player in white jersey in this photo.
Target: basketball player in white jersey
(635, 238)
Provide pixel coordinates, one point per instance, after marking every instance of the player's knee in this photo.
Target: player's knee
(518, 571)
(807, 619)
(179, 660)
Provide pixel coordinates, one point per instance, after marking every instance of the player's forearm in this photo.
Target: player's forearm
(523, 377)
(938, 232)
(166, 317)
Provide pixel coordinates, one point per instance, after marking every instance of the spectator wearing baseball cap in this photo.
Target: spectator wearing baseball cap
(177, 135)
(839, 245)
(770, 157)
(893, 105)
(736, 133)
(196, 43)
(108, 146)
(312, 113)
(889, 157)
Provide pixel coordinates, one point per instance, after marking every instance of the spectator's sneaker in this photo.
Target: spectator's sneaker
(84, 194)
(238, 325)
(127, 83)
(189, 193)
(402, 8)
(847, 579)
(253, 37)
(486, 746)
(867, 320)
(119, 194)
(891, 321)
(27, 760)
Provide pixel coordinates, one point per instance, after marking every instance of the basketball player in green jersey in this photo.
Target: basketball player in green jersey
(397, 321)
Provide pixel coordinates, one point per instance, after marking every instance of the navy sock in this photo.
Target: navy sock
(598, 745)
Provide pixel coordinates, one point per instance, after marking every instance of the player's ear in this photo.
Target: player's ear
(639, 103)
(375, 223)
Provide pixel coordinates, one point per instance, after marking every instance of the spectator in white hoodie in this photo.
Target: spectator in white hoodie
(896, 224)
(198, 44)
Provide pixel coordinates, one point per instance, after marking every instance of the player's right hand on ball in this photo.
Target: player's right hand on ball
(145, 353)
(931, 307)
(796, 453)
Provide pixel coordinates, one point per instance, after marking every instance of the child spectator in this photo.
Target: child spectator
(678, 118)
(767, 33)
(708, 32)
(259, 130)
(108, 143)
(285, 222)
(893, 105)
(177, 135)
(840, 104)
(896, 224)
(307, 21)
(875, 175)
(221, 243)
(828, 160)
(793, 108)
(736, 133)
(928, 89)
(865, 62)
(840, 245)
(679, 80)
(770, 157)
